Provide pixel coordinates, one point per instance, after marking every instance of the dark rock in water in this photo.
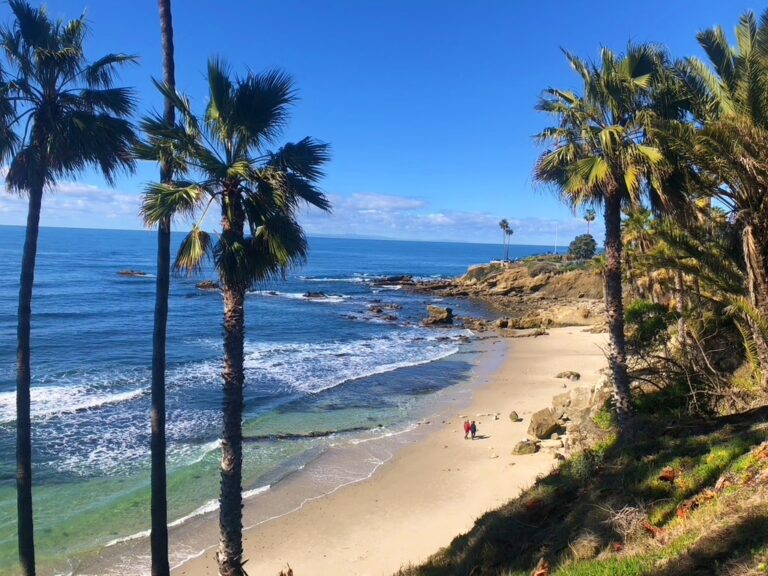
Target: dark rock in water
(208, 285)
(569, 375)
(525, 447)
(390, 317)
(132, 274)
(438, 316)
(376, 309)
(543, 424)
(391, 307)
(315, 295)
(402, 279)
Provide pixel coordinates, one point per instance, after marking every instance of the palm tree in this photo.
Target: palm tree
(599, 155)
(254, 188)
(730, 141)
(68, 116)
(508, 233)
(589, 216)
(159, 504)
(504, 225)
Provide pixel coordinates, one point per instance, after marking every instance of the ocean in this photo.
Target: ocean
(322, 374)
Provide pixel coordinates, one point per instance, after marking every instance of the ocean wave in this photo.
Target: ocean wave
(207, 508)
(305, 296)
(48, 401)
(312, 368)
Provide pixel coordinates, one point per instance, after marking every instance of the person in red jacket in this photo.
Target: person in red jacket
(467, 428)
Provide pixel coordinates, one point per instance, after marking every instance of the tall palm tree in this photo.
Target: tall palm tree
(68, 116)
(599, 155)
(589, 217)
(159, 504)
(256, 190)
(730, 141)
(508, 234)
(504, 225)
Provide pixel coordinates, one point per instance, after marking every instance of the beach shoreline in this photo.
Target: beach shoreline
(432, 489)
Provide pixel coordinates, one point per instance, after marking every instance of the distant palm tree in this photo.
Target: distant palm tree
(599, 155)
(504, 225)
(159, 504)
(508, 234)
(589, 216)
(68, 116)
(255, 189)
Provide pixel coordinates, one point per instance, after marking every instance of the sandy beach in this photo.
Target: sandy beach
(432, 490)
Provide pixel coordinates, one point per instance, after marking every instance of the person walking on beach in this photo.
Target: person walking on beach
(467, 428)
(473, 429)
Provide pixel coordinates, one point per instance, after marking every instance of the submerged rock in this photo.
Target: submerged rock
(132, 274)
(315, 295)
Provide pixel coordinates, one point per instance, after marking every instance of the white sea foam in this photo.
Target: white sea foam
(57, 400)
(328, 299)
(314, 367)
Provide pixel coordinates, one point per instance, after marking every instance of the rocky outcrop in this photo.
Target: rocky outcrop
(208, 285)
(438, 316)
(569, 375)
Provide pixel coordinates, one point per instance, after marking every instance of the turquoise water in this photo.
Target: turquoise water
(312, 366)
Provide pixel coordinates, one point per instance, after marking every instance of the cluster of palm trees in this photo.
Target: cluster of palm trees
(506, 231)
(60, 113)
(683, 138)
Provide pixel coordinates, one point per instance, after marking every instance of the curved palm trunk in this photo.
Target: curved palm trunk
(23, 388)
(159, 504)
(681, 306)
(230, 554)
(614, 306)
(756, 259)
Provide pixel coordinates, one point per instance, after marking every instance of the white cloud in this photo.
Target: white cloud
(77, 204)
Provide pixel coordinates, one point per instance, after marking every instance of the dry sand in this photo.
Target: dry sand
(433, 490)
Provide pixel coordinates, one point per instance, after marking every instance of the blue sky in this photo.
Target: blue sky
(428, 104)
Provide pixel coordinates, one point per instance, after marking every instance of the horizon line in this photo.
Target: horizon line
(316, 235)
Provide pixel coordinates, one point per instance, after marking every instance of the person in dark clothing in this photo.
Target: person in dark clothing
(473, 429)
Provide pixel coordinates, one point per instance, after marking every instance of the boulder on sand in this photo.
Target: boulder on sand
(438, 315)
(569, 375)
(514, 417)
(525, 447)
(543, 424)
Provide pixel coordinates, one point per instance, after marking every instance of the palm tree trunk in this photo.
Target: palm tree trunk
(23, 388)
(681, 305)
(614, 305)
(230, 555)
(756, 258)
(159, 504)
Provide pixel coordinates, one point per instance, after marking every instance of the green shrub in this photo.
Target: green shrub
(583, 247)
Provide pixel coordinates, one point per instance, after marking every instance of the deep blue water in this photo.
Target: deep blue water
(312, 365)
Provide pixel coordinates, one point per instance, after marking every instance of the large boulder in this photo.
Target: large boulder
(569, 375)
(438, 316)
(525, 447)
(543, 424)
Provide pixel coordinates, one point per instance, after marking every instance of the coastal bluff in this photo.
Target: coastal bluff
(529, 294)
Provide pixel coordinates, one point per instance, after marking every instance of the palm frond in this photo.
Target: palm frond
(194, 250)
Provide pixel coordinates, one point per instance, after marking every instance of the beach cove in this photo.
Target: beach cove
(433, 489)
